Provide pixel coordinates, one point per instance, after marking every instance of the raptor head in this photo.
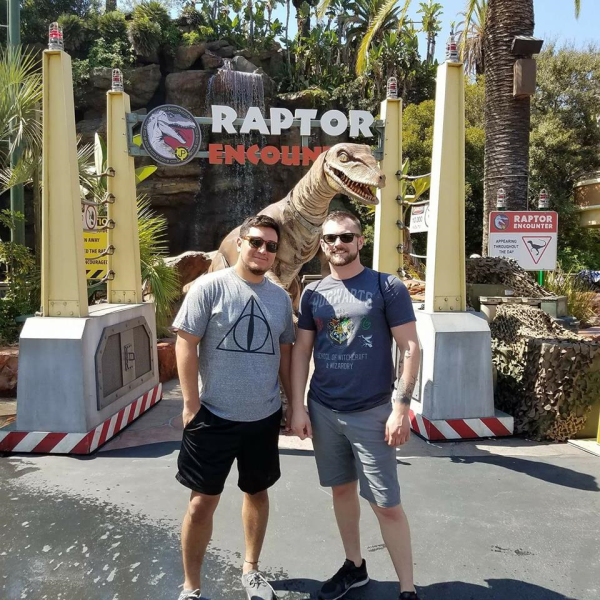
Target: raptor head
(166, 121)
(351, 169)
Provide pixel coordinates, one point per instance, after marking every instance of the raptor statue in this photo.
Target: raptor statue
(348, 169)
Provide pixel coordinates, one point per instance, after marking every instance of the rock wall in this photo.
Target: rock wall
(202, 202)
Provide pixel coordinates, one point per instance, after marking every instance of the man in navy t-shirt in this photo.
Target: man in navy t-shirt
(356, 418)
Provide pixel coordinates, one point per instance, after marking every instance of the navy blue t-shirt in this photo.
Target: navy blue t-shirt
(352, 351)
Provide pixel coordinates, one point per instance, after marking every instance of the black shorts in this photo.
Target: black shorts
(210, 444)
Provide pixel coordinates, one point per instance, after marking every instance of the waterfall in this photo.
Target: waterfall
(238, 191)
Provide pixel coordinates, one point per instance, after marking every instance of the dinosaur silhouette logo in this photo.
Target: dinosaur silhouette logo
(250, 334)
(536, 246)
(171, 135)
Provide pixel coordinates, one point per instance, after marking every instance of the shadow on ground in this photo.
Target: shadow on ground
(497, 589)
(539, 470)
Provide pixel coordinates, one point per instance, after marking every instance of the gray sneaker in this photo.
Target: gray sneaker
(257, 587)
(190, 595)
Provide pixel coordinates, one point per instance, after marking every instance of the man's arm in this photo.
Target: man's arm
(397, 430)
(284, 373)
(186, 353)
(300, 365)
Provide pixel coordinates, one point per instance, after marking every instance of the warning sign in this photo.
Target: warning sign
(94, 243)
(419, 218)
(529, 237)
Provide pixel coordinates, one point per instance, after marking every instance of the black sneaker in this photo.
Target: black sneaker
(409, 596)
(348, 577)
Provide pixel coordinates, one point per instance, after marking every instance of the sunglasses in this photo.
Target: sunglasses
(345, 238)
(258, 243)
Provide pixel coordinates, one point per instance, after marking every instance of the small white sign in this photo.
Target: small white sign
(89, 216)
(419, 219)
(529, 237)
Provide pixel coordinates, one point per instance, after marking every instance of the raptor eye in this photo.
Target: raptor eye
(343, 157)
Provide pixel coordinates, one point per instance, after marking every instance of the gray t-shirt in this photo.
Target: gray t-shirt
(241, 325)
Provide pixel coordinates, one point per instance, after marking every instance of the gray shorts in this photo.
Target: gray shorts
(351, 446)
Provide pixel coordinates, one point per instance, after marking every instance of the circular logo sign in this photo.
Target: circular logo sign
(171, 135)
(501, 222)
(89, 216)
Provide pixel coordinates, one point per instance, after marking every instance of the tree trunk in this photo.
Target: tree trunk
(110, 5)
(287, 37)
(506, 163)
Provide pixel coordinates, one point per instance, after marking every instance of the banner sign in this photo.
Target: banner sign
(419, 219)
(94, 243)
(171, 135)
(529, 237)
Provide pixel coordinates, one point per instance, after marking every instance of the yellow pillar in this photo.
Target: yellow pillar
(445, 286)
(388, 236)
(64, 287)
(126, 285)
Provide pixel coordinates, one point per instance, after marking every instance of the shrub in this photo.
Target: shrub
(117, 55)
(113, 26)
(580, 297)
(154, 11)
(144, 35)
(74, 31)
(191, 39)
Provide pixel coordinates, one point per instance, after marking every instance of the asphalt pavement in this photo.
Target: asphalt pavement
(491, 520)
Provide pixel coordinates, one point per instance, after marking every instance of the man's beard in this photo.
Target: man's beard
(341, 260)
(254, 270)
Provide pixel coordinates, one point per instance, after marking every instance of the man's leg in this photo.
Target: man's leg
(195, 536)
(396, 535)
(255, 515)
(347, 514)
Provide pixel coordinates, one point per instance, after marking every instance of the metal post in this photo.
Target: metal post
(64, 292)
(445, 288)
(389, 236)
(125, 284)
(16, 192)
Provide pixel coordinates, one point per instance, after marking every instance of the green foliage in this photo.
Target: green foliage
(36, 16)
(112, 26)
(74, 31)
(159, 280)
(145, 35)
(565, 142)
(22, 277)
(118, 54)
(580, 297)
(192, 38)
(154, 11)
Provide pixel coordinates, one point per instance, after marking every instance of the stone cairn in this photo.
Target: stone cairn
(548, 377)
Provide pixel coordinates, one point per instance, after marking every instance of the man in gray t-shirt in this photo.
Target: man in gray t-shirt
(242, 324)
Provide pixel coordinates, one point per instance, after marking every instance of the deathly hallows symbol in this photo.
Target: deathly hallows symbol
(536, 246)
(250, 334)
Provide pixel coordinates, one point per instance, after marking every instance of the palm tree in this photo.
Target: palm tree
(431, 25)
(507, 119)
(471, 33)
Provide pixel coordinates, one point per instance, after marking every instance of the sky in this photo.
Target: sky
(554, 20)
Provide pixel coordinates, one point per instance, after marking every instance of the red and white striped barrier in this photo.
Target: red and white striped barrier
(460, 429)
(43, 442)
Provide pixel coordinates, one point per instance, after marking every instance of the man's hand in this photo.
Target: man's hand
(188, 415)
(397, 428)
(301, 424)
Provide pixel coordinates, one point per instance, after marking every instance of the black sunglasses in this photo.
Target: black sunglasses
(346, 238)
(257, 243)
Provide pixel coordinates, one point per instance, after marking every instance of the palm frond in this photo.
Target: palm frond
(374, 27)
(577, 8)
(20, 98)
(159, 280)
